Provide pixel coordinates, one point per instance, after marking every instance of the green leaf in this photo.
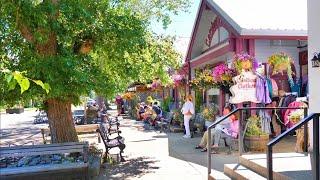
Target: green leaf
(47, 87)
(18, 76)
(12, 84)
(24, 84)
(8, 77)
(39, 82)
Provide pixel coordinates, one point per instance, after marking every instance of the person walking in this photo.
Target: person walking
(187, 111)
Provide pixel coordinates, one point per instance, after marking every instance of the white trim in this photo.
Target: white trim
(193, 30)
(211, 50)
(271, 32)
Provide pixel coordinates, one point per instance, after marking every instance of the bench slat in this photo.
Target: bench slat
(32, 153)
(42, 168)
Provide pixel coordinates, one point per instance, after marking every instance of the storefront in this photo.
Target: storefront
(220, 33)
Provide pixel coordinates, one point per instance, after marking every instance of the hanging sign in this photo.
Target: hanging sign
(244, 89)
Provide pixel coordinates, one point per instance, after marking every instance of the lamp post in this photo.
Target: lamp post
(316, 60)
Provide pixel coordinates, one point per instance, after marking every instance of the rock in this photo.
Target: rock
(56, 157)
(34, 161)
(24, 161)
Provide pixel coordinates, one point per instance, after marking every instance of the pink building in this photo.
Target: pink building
(259, 28)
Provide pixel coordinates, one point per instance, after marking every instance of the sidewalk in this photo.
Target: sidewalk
(154, 155)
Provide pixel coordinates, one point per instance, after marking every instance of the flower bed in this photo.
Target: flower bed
(11, 162)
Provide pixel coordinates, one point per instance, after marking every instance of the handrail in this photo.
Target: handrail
(315, 118)
(240, 131)
(295, 127)
(209, 136)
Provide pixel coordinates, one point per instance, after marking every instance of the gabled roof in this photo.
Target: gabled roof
(264, 17)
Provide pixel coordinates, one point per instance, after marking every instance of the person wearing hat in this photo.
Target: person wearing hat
(187, 111)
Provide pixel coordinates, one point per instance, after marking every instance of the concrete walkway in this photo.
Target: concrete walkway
(154, 155)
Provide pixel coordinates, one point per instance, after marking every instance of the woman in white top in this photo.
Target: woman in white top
(187, 111)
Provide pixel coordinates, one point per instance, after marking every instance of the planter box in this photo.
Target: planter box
(15, 110)
(94, 165)
(256, 143)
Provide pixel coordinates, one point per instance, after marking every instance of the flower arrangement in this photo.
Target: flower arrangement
(254, 126)
(281, 62)
(223, 75)
(203, 80)
(209, 112)
(244, 62)
(128, 95)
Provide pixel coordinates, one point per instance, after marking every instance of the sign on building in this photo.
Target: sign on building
(244, 89)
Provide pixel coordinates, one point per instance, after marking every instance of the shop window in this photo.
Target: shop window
(213, 96)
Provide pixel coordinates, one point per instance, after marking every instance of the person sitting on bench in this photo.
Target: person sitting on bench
(227, 127)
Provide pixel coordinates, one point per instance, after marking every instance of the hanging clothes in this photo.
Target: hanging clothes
(275, 89)
(265, 121)
(262, 91)
(270, 87)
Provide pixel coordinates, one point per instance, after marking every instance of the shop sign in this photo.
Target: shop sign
(244, 89)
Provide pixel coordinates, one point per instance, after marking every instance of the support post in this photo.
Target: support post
(316, 166)
(240, 132)
(305, 132)
(269, 163)
(209, 152)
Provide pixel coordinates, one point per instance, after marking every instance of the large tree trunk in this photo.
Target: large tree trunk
(60, 121)
(59, 112)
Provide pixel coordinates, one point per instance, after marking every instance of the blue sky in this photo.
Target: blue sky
(181, 27)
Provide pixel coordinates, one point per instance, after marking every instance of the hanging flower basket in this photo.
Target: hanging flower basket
(156, 84)
(280, 63)
(222, 76)
(203, 80)
(178, 79)
(244, 62)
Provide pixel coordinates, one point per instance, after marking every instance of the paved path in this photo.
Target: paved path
(149, 154)
(153, 155)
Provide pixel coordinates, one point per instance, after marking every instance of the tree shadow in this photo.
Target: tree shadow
(19, 136)
(132, 168)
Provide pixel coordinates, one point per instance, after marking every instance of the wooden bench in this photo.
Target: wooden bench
(165, 121)
(80, 129)
(78, 170)
(110, 143)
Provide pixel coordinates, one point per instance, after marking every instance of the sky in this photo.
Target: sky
(181, 27)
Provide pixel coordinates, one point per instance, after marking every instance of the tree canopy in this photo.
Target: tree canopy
(79, 46)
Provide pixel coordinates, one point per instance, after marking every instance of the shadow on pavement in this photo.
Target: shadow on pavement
(183, 149)
(132, 168)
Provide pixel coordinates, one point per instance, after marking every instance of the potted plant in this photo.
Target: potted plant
(177, 121)
(255, 139)
(209, 112)
(244, 62)
(95, 157)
